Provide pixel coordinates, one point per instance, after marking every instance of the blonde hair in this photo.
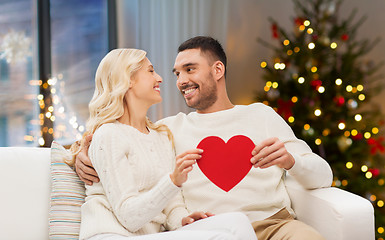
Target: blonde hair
(112, 80)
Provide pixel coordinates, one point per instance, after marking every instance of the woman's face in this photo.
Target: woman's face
(145, 84)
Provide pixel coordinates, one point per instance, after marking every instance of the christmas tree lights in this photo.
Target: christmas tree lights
(319, 82)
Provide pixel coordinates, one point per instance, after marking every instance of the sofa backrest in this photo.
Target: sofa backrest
(25, 185)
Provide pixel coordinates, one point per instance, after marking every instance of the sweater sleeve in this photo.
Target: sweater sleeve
(309, 169)
(132, 208)
(175, 211)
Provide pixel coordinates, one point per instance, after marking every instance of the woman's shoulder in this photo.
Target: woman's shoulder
(107, 130)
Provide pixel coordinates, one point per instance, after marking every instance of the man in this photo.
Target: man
(200, 68)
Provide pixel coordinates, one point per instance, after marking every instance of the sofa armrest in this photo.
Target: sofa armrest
(25, 184)
(335, 213)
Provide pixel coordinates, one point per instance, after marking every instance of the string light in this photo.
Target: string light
(349, 165)
(326, 132)
(338, 81)
(361, 97)
(341, 125)
(279, 66)
(60, 129)
(381, 182)
(344, 182)
(367, 135)
(358, 117)
(349, 88)
(373, 198)
(311, 45)
(333, 45)
(301, 80)
(263, 64)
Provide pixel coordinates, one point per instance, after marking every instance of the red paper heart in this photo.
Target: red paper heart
(226, 164)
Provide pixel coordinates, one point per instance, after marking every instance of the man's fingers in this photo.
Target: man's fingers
(86, 172)
(265, 143)
(86, 169)
(267, 151)
(87, 142)
(85, 180)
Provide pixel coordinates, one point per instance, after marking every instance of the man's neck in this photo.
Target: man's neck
(219, 105)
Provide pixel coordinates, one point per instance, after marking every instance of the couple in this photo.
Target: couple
(140, 181)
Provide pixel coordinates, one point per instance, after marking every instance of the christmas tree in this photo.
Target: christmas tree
(320, 82)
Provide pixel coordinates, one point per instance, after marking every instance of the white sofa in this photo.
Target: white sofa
(25, 185)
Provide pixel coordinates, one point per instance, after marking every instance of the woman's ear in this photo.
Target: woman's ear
(132, 82)
(219, 70)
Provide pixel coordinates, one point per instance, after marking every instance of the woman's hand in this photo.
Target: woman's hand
(183, 165)
(195, 216)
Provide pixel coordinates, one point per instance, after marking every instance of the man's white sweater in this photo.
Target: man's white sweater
(262, 192)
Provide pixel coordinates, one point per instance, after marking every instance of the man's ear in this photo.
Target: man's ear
(218, 70)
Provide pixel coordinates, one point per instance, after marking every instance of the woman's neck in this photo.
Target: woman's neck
(135, 116)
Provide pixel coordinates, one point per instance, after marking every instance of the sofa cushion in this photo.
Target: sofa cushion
(67, 196)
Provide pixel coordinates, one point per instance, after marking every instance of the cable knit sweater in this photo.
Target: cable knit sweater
(262, 192)
(135, 195)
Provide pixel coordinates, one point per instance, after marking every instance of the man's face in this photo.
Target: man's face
(195, 79)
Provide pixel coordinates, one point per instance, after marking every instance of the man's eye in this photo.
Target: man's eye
(189, 69)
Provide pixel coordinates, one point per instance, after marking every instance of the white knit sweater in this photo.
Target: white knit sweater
(262, 192)
(135, 195)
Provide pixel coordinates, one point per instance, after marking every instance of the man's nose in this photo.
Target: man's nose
(182, 80)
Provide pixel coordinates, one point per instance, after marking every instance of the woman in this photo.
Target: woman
(138, 195)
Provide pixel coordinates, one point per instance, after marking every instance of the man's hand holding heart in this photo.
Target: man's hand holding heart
(272, 152)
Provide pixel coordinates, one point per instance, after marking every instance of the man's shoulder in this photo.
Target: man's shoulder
(255, 107)
(172, 119)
